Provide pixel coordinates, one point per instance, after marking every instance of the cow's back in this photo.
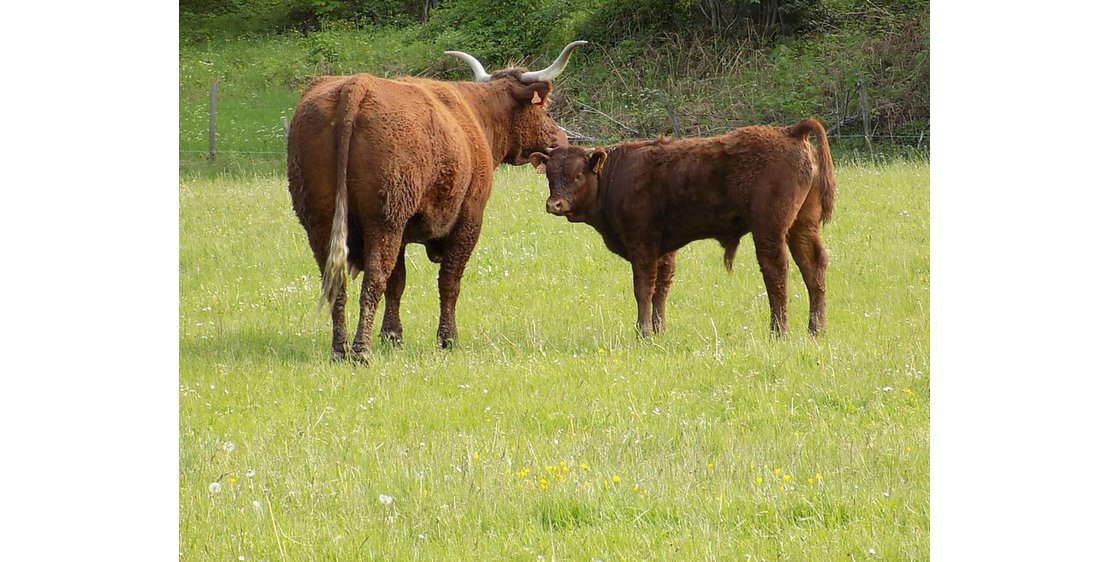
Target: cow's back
(411, 153)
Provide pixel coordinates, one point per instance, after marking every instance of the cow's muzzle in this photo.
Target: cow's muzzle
(558, 206)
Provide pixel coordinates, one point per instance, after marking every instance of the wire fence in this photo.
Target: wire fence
(263, 130)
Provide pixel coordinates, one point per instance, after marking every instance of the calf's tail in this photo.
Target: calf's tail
(825, 180)
(729, 244)
(335, 267)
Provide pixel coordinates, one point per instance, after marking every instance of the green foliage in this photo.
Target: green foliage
(616, 20)
(500, 30)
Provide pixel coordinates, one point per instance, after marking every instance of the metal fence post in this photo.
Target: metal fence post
(212, 121)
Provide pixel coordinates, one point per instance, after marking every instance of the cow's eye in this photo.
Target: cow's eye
(578, 178)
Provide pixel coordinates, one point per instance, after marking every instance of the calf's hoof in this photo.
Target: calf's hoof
(392, 338)
(446, 339)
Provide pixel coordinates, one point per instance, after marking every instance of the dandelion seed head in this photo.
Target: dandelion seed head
(214, 488)
(387, 500)
(229, 446)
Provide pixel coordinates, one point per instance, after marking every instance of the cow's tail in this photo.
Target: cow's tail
(825, 180)
(334, 277)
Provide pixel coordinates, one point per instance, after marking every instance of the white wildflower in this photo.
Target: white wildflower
(387, 500)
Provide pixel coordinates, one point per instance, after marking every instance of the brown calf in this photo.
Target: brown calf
(650, 198)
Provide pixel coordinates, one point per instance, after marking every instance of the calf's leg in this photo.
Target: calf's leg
(644, 272)
(394, 288)
(664, 275)
(813, 260)
(770, 251)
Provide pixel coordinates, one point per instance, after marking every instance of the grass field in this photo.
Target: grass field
(552, 432)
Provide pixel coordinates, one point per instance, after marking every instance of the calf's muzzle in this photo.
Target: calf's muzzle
(558, 206)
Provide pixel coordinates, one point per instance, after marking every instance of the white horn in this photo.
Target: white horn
(480, 74)
(556, 67)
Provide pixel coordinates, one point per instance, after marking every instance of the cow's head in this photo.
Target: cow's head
(572, 173)
(530, 128)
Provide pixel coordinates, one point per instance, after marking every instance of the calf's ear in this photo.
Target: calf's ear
(597, 160)
(539, 160)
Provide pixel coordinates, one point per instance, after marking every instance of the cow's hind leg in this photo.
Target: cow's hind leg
(394, 288)
(382, 243)
(339, 347)
(456, 252)
(770, 251)
(664, 276)
(812, 260)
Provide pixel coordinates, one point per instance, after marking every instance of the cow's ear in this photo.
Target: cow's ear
(535, 94)
(539, 160)
(597, 160)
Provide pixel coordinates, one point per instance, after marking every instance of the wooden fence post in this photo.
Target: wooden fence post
(865, 111)
(212, 121)
(670, 113)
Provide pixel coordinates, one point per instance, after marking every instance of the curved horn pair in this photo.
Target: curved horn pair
(549, 73)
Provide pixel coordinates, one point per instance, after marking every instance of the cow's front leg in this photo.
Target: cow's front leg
(381, 245)
(644, 272)
(456, 252)
(394, 288)
(664, 275)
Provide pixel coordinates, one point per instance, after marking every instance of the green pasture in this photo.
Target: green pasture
(551, 431)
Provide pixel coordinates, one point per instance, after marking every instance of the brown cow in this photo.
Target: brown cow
(375, 164)
(650, 198)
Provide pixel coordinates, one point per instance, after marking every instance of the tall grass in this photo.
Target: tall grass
(552, 429)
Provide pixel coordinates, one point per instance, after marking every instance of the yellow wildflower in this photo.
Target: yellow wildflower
(616, 479)
(232, 480)
(585, 466)
(758, 479)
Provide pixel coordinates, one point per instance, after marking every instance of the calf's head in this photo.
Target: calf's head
(572, 173)
(530, 128)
